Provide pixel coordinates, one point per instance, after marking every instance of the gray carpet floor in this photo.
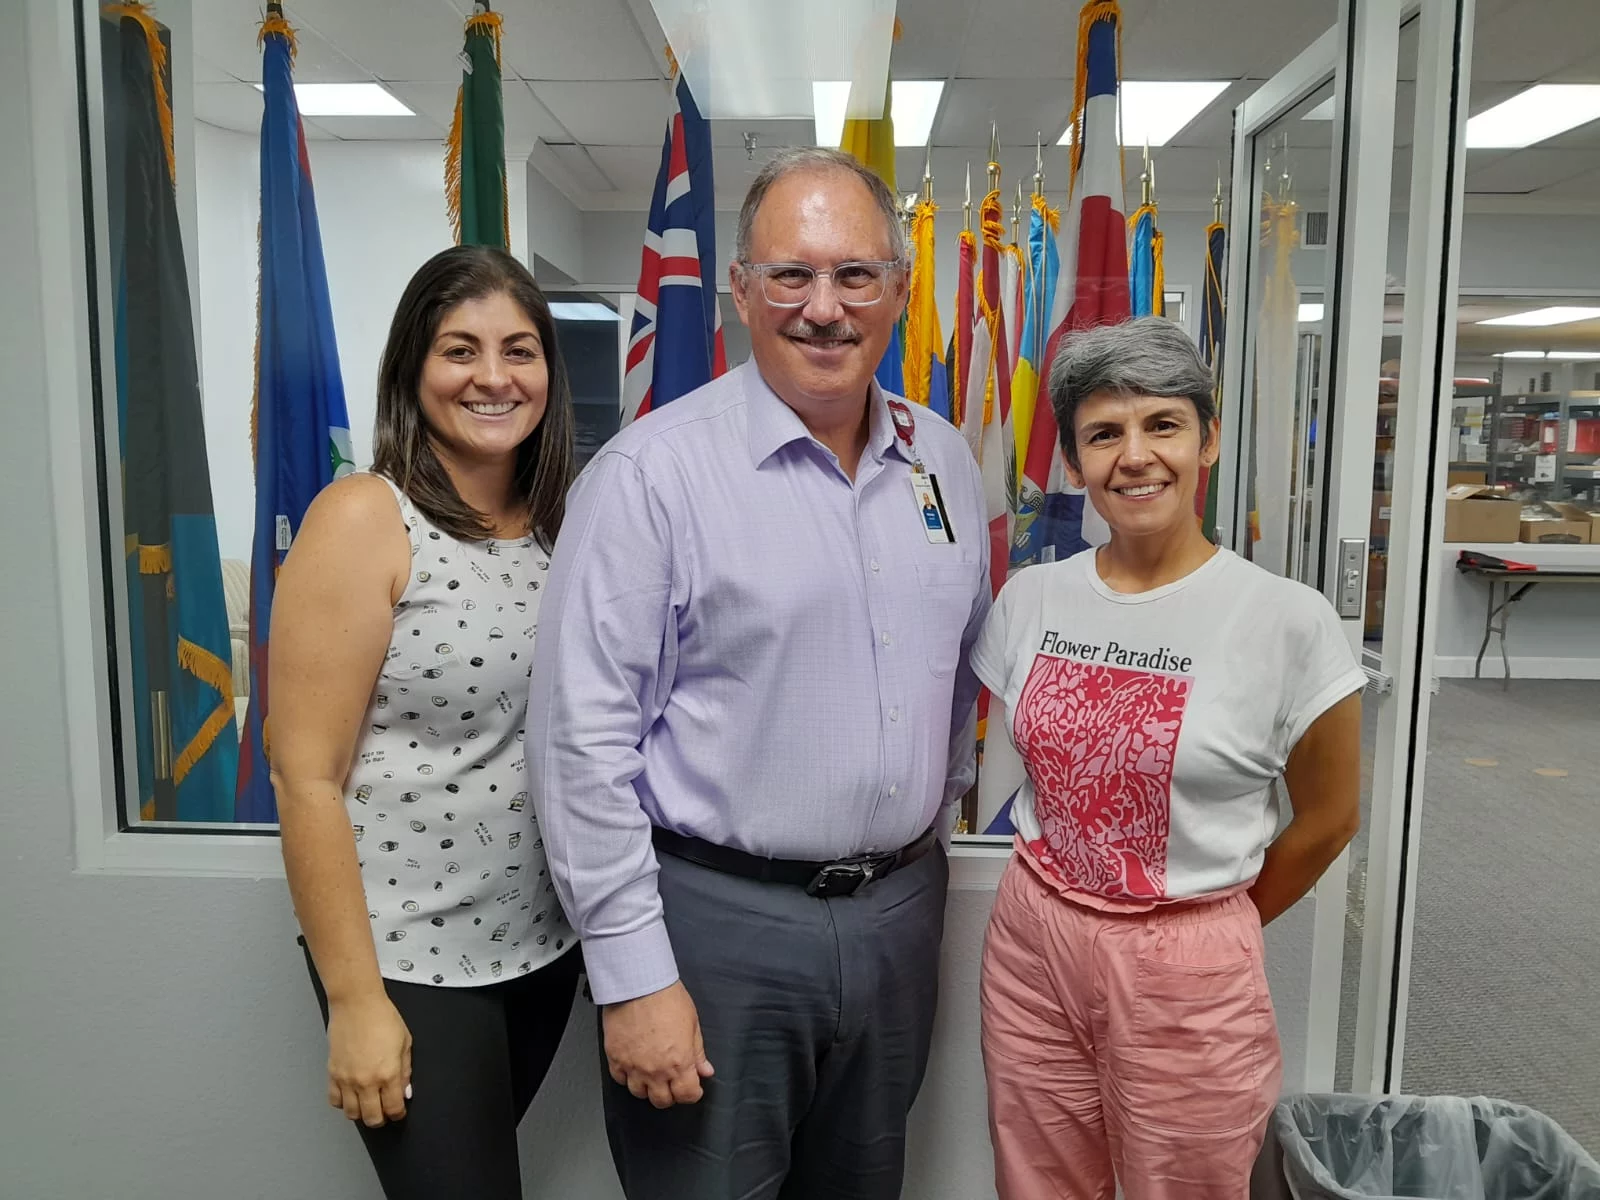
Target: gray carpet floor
(1505, 977)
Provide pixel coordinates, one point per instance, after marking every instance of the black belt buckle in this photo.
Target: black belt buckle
(843, 878)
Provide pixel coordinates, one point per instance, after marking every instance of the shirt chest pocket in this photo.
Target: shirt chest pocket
(945, 601)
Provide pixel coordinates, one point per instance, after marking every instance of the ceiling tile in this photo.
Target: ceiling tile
(932, 35)
(1530, 40)
(579, 39)
(230, 105)
(391, 39)
(385, 129)
(1021, 107)
(1525, 171)
(623, 113)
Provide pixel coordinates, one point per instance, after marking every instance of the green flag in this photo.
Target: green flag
(475, 165)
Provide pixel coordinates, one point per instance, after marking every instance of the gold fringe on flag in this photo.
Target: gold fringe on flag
(1158, 284)
(155, 560)
(277, 24)
(490, 23)
(203, 739)
(205, 666)
(136, 10)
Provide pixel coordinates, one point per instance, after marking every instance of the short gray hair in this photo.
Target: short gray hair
(1149, 356)
(818, 158)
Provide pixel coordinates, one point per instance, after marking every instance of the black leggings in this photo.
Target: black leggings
(478, 1056)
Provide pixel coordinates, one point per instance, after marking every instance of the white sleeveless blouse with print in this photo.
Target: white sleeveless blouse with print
(452, 860)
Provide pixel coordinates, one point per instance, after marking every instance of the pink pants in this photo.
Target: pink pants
(1131, 1047)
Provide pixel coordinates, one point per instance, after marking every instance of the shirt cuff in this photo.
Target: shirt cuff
(625, 966)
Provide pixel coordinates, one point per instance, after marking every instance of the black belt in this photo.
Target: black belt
(841, 877)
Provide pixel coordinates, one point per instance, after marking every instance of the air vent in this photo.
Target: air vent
(1316, 229)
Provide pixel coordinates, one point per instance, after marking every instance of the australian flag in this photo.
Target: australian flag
(675, 344)
(302, 440)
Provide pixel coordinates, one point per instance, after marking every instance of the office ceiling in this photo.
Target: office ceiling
(586, 98)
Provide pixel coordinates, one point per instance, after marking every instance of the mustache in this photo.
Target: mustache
(836, 331)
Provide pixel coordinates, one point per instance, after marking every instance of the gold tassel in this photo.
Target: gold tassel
(155, 560)
(136, 10)
(1158, 286)
(281, 27)
(204, 738)
(205, 666)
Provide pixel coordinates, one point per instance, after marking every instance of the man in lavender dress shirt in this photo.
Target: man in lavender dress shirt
(751, 720)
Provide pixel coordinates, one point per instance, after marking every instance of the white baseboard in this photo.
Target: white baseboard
(1460, 667)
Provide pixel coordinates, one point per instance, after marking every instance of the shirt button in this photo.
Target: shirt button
(894, 789)
(884, 638)
(873, 564)
(894, 714)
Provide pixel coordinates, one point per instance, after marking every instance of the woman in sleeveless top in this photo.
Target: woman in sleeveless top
(402, 630)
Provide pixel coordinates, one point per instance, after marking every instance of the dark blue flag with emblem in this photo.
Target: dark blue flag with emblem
(302, 435)
(184, 724)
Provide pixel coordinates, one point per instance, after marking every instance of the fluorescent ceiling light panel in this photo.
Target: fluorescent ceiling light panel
(1554, 355)
(913, 103)
(347, 100)
(1541, 112)
(1156, 111)
(1560, 314)
(581, 310)
(1310, 314)
(1322, 112)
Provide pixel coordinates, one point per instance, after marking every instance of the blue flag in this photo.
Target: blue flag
(302, 433)
(184, 722)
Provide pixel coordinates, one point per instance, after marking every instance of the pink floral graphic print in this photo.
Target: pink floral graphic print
(1098, 742)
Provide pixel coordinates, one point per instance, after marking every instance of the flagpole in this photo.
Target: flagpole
(1016, 214)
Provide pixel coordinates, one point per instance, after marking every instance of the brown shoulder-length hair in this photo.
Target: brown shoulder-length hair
(402, 448)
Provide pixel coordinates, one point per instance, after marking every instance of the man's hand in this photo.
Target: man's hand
(653, 1047)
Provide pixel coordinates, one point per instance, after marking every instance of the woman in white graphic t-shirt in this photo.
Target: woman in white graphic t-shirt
(1171, 703)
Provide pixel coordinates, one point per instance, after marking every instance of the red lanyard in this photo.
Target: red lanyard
(905, 428)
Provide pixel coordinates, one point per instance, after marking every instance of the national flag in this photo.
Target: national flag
(989, 390)
(302, 433)
(182, 682)
(475, 158)
(677, 304)
(1277, 341)
(925, 376)
(871, 141)
(960, 352)
(1044, 267)
(1146, 276)
(1211, 335)
(1053, 520)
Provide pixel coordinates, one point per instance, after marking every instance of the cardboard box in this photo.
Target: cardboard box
(1475, 513)
(1580, 514)
(1377, 580)
(1548, 523)
(1381, 514)
(1467, 475)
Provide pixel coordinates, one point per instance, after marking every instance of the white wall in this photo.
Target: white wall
(381, 209)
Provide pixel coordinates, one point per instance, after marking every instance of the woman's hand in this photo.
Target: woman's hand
(369, 1060)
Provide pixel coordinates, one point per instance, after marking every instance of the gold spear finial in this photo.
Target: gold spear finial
(927, 175)
(1038, 163)
(994, 156)
(1216, 200)
(966, 205)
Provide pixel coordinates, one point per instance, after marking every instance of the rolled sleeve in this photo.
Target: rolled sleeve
(602, 663)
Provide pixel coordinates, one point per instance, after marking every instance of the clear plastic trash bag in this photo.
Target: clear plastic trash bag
(1338, 1147)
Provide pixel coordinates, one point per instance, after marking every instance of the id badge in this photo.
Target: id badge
(930, 508)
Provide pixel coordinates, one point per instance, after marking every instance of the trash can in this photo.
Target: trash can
(1338, 1147)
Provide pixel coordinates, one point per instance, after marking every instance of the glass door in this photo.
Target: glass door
(1331, 401)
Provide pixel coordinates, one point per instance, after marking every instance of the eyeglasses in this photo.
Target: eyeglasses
(856, 284)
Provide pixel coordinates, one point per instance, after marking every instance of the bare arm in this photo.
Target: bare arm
(1323, 776)
(332, 620)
